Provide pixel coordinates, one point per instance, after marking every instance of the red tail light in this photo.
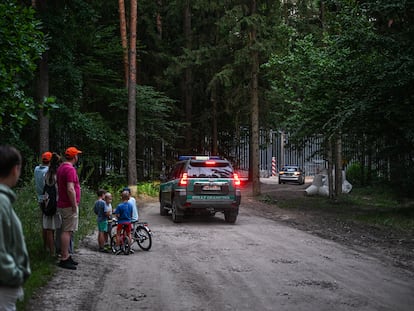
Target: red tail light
(236, 180)
(183, 180)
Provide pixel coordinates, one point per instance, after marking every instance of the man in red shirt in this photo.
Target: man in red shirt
(68, 203)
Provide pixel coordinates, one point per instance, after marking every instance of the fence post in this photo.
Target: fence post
(273, 166)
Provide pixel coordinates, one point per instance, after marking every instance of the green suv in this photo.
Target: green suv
(201, 185)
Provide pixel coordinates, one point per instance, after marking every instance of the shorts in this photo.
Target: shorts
(103, 226)
(70, 219)
(51, 222)
(127, 228)
(109, 231)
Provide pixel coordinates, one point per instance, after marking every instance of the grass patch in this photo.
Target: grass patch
(371, 205)
(42, 265)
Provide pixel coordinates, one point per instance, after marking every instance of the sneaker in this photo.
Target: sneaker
(66, 264)
(73, 262)
(131, 251)
(119, 251)
(103, 250)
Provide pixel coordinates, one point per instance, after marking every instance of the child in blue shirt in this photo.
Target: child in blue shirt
(102, 213)
(123, 213)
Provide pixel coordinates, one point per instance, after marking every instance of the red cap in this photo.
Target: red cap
(47, 156)
(71, 152)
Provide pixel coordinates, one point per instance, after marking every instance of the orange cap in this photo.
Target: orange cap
(71, 152)
(47, 156)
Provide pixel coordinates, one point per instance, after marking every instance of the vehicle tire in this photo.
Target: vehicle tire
(127, 246)
(143, 238)
(113, 244)
(230, 217)
(163, 210)
(176, 217)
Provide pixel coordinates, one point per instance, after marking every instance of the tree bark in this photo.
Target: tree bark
(132, 161)
(214, 139)
(330, 169)
(254, 108)
(338, 165)
(159, 19)
(188, 80)
(124, 40)
(42, 90)
(42, 93)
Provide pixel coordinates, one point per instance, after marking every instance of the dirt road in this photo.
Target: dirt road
(207, 264)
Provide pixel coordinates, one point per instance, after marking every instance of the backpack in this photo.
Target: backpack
(49, 203)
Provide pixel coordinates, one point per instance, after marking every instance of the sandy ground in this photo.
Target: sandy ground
(271, 259)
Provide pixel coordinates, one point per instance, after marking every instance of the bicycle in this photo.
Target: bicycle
(125, 243)
(142, 234)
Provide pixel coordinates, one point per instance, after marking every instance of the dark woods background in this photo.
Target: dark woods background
(333, 68)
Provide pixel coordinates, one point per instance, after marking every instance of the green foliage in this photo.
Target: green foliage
(21, 45)
(42, 265)
(354, 76)
(149, 188)
(356, 174)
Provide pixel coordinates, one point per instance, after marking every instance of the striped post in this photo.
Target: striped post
(273, 166)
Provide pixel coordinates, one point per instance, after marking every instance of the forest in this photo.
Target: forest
(205, 69)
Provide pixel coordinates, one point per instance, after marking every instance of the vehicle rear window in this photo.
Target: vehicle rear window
(291, 169)
(216, 170)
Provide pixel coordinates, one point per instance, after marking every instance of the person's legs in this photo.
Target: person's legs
(70, 250)
(65, 241)
(69, 223)
(50, 241)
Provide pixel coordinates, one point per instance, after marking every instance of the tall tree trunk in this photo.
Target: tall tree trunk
(159, 18)
(213, 99)
(188, 80)
(42, 89)
(42, 92)
(124, 40)
(132, 141)
(338, 165)
(330, 169)
(255, 108)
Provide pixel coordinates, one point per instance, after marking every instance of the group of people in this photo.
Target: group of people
(126, 213)
(14, 257)
(58, 229)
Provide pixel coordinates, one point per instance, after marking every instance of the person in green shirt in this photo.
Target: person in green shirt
(14, 258)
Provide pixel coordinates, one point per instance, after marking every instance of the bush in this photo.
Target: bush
(353, 174)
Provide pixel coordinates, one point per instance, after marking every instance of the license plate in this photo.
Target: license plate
(211, 188)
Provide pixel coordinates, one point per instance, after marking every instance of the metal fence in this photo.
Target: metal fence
(276, 151)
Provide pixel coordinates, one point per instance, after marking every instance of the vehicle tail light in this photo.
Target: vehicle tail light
(184, 180)
(236, 180)
(210, 162)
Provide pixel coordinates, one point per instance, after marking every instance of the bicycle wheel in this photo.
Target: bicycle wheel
(143, 238)
(126, 246)
(113, 244)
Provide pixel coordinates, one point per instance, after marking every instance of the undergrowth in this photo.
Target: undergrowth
(371, 205)
(42, 264)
